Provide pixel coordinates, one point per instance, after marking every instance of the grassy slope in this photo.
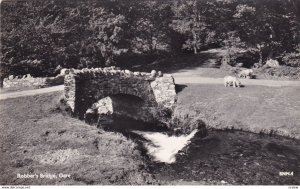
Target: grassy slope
(252, 108)
(233, 157)
(37, 139)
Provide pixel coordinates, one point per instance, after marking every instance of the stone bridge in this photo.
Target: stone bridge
(85, 87)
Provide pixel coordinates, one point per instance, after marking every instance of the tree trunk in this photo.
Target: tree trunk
(195, 41)
(271, 54)
(195, 49)
(260, 61)
(260, 58)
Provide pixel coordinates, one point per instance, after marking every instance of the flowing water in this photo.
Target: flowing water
(233, 157)
(162, 147)
(221, 157)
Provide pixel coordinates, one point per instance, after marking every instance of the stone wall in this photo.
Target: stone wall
(29, 81)
(85, 87)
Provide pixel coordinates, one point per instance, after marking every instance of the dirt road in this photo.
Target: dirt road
(180, 78)
(30, 92)
(185, 79)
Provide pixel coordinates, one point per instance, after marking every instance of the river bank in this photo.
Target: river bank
(234, 158)
(45, 140)
(258, 109)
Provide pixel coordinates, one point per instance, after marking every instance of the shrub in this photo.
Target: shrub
(292, 59)
(186, 124)
(53, 81)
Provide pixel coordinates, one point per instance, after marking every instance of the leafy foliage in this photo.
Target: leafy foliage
(39, 36)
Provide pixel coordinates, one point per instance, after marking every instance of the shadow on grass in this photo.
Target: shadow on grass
(179, 88)
(254, 77)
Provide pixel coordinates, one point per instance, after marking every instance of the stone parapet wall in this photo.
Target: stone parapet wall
(29, 81)
(164, 90)
(25, 81)
(85, 87)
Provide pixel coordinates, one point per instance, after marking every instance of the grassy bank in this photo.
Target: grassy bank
(271, 110)
(36, 139)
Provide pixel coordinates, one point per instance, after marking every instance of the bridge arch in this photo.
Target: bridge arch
(85, 87)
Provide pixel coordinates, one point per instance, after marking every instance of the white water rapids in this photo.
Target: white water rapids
(163, 147)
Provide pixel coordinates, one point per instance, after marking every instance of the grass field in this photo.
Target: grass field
(273, 110)
(231, 156)
(35, 138)
(38, 138)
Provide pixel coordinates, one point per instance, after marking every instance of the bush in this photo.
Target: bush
(53, 81)
(291, 59)
(283, 72)
(246, 58)
(186, 124)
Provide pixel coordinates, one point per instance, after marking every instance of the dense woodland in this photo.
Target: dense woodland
(40, 37)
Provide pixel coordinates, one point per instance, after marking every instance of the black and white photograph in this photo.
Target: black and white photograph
(150, 93)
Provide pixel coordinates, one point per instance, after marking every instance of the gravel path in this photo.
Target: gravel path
(180, 78)
(30, 92)
(185, 79)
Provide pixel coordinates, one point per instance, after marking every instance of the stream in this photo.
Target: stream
(162, 147)
(222, 157)
(226, 157)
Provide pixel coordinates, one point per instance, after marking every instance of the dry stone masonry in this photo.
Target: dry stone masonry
(85, 87)
(24, 81)
(29, 81)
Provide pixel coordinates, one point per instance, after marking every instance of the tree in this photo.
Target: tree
(151, 28)
(233, 45)
(26, 47)
(190, 20)
(107, 33)
(265, 28)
